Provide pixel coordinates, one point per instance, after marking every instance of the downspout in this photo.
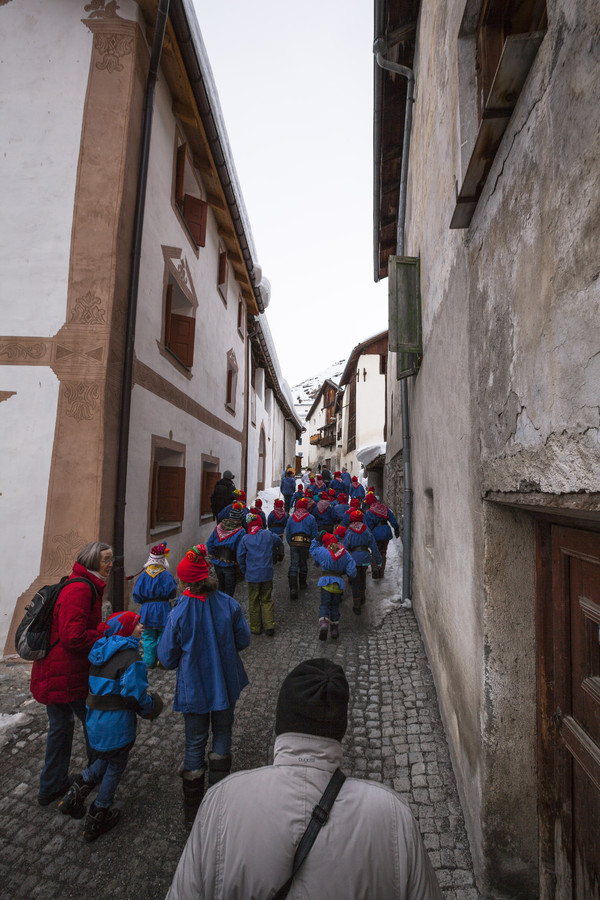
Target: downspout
(378, 48)
(160, 25)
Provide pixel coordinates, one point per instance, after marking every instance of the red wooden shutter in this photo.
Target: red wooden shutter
(180, 172)
(195, 213)
(154, 494)
(168, 308)
(171, 494)
(209, 479)
(181, 340)
(229, 396)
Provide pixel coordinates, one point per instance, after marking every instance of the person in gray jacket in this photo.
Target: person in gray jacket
(246, 833)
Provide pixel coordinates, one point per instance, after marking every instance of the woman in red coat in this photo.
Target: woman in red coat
(60, 680)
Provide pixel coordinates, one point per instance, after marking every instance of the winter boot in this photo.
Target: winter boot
(356, 607)
(334, 631)
(293, 582)
(375, 572)
(73, 803)
(193, 792)
(98, 821)
(219, 767)
(302, 577)
(323, 629)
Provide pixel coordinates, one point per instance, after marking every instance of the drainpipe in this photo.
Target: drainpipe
(379, 48)
(160, 25)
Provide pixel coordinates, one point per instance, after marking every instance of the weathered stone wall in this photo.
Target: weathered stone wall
(506, 400)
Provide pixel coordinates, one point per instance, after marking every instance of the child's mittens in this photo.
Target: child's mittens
(157, 707)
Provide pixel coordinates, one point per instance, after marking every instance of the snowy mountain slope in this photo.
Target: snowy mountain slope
(303, 394)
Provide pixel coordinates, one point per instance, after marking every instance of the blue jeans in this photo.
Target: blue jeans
(298, 560)
(196, 735)
(226, 576)
(61, 725)
(107, 773)
(330, 606)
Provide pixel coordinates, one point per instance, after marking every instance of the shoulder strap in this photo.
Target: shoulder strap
(319, 817)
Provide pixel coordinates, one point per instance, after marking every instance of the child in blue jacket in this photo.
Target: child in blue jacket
(255, 557)
(118, 693)
(204, 633)
(335, 561)
(277, 518)
(154, 589)
(360, 543)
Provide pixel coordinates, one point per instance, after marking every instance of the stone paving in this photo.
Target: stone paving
(395, 735)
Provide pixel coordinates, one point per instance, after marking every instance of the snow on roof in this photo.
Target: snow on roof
(367, 454)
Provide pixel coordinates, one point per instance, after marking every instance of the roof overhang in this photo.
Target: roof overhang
(395, 23)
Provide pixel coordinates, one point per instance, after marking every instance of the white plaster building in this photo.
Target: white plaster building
(362, 405)
(321, 428)
(503, 222)
(206, 390)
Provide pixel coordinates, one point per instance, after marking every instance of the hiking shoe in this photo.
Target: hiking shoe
(47, 799)
(356, 609)
(73, 802)
(334, 631)
(323, 629)
(99, 821)
(269, 632)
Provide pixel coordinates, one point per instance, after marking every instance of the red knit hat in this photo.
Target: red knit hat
(193, 567)
(331, 492)
(337, 474)
(258, 503)
(325, 495)
(308, 492)
(160, 550)
(278, 502)
(354, 479)
(370, 498)
(354, 503)
(329, 539)
(342, 497)
(356, 515)
(340, 531)
(121, 623)
(302, 503)
(301, 488)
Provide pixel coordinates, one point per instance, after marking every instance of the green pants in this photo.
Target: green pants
(260, 601)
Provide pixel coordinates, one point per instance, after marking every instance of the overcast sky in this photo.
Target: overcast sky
(296, 89)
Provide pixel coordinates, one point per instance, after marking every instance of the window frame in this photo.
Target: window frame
(222, 272)
(231, 382)
(192, 210)
(159, 488)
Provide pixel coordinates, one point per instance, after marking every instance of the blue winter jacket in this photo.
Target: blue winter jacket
(117, 670)
(337, 485)
(326, 519)
(288, 485)
(347, 481)
(255, 555)
(153, 589)
(353, 539)
(357, 491)
(228, 546)
(379, 525)
(297, 497)
(277, 525)
(307, 525)
(339, 510)
(344, 564)
(201, 640)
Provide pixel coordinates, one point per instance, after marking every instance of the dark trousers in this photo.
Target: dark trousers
(359, 584)
(227, 579)
(61, 725)
(298, 560)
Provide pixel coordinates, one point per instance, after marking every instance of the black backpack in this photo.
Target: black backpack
(32, 640)
(221, 496)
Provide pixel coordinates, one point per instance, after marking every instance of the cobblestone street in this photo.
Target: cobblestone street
(395, 735)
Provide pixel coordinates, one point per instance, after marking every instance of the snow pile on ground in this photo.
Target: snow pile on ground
(9, 725)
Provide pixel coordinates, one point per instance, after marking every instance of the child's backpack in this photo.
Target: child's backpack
(32, 640)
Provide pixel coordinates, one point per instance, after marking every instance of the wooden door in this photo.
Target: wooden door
(576, 717)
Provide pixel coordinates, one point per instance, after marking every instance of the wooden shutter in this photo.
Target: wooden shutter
(209, 479)
(181, 340)
(154, 494)
(195, 213)
(222, 267)
(171, 494)
(180, 172)
(168, 308)
(229, 395)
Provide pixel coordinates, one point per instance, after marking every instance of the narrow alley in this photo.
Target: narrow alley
(394, 735)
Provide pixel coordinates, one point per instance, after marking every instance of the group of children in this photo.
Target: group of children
(243, 545)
